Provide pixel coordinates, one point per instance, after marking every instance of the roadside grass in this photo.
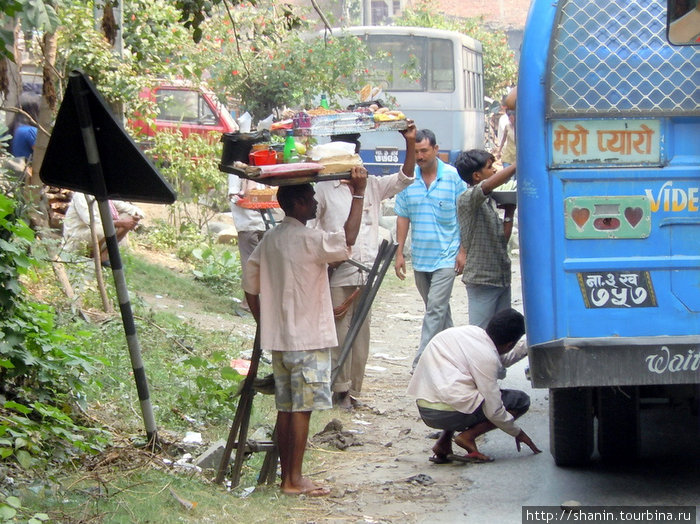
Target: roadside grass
(192, 389)
(149, 494)
(147, 277)
(191, 383)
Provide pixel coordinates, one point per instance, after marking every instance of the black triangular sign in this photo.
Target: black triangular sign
(128, 173)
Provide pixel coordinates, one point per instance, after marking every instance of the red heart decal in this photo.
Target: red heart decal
(634, 215)
(580, 216)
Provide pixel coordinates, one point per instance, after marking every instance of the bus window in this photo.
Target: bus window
(622, 68)
(435, 78)
(684, 22)
(441, 67)
(399, 54)
(473, 81)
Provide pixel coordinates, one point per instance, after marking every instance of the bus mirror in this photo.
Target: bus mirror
(683, 23)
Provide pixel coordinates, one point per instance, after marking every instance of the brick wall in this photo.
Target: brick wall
(499, 13)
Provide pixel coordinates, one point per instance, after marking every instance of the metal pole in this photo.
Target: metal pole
(100, 191)
(367, 12)
(374, 281)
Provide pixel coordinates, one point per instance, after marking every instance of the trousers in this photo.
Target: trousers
(352, 373)
(435, 288)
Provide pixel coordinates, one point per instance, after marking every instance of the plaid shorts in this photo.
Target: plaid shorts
(302, 380)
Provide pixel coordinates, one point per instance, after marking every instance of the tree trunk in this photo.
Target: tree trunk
(47, 106)
(40, 220)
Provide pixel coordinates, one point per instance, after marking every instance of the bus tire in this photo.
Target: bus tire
(618, 423)
(571, 425)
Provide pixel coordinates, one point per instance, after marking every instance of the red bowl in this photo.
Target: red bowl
(264, 157)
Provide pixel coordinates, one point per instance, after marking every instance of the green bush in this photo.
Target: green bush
(41, 367)
(218, 269)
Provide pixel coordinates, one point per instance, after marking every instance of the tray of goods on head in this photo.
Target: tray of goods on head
(283, 174)
(321, 121)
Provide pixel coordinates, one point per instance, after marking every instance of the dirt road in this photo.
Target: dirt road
(389, 477)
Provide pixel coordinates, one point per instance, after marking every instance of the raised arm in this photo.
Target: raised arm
(498, 179)
(409, 135)
(357, 184)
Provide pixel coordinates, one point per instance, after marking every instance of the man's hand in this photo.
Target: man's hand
(410, 132)
(358, 180)
(400, 266)
(522, 437)
(460, 261)
(128, 222)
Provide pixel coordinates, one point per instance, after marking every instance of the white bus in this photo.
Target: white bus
(446, 96)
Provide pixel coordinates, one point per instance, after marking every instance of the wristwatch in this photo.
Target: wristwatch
(507, 219)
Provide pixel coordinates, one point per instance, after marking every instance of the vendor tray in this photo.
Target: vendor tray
(341, 128)
(504, 197)
(285, 174)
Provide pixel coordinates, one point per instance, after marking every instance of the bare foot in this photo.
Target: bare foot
(441, 451)
(443, 446)
(306, 487)
(464, 441)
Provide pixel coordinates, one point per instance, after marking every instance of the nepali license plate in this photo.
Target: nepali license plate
(386, 155)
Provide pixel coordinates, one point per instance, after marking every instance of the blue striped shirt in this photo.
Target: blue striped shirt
(433, 215)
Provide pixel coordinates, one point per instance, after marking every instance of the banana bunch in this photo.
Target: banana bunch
(384, 114)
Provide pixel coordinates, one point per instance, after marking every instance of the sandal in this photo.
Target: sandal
(440, 459)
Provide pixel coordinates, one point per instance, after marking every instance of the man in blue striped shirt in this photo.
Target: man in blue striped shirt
(429, 205)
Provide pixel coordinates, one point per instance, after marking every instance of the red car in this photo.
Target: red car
(189, 109)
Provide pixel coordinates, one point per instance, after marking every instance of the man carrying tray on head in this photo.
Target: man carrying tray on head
(334, 201)
(287, 288)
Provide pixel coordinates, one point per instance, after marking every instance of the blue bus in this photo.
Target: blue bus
(608, 123)
(446, 95)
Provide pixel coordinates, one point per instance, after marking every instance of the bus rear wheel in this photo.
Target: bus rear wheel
(618, 423)
(571, 425)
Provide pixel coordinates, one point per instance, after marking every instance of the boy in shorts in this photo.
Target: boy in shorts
(286, 285)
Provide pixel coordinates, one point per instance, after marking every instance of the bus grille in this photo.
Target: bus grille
(613, 57)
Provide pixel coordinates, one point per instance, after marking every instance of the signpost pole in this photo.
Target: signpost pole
(100, 191)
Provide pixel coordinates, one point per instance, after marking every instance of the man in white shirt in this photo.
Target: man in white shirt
(76, 225)
(249, 222)
(334, 200)
(456, 386)
(286, 284)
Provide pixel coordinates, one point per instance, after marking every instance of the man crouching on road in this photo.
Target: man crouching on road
(456, 386)
(286, 285)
